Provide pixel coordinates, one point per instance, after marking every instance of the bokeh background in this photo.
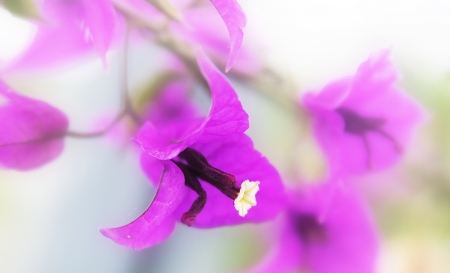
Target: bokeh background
(49, 218)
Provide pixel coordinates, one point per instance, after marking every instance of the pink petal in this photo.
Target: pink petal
(226, 117)
(100, 17)
(157, 223)
(71, 29)
(352, 241)
(235, 20)
(30, 131)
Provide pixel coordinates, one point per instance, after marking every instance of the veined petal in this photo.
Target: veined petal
(166, 142)
(157, 222)
(30, 131)
(226, 115)
(235, 20)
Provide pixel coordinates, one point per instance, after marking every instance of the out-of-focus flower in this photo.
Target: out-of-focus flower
(69, 29)
(364, 122)
(210, 155)
(30, 131)
(326, 230)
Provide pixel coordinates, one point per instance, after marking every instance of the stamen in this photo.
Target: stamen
(199, 166)
(247, 197)
(310, 229)
(188, 218)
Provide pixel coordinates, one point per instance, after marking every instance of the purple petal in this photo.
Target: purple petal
(157, 222)
(351, 242)
(100, 19)
(236, 155)
(30, 131)
(235, 20)
(71, 29)
(166, 142)
(226, 117)
(370, 94)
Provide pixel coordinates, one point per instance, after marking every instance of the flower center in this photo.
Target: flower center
(194, 167)
(309, 228)
(359, 125)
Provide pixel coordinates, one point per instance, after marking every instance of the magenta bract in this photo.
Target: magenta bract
(226, 117)
(235, 20)
(31, 131)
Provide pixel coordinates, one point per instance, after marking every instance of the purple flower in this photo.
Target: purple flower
(69, 30)
(363, 122)
(207, 170)
(30, 131)
(326, 230)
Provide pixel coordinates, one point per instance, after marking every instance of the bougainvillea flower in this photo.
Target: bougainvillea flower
(69, 29)
(326, 230)
(364, 122)
(222, 175)
(30, 131)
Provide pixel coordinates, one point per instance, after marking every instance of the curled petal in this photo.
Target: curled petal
(157, 222)
(235, 20)
(226, 117)
(31, 131)
(100, 19)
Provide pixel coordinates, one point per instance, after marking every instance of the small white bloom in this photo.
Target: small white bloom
(247, 197)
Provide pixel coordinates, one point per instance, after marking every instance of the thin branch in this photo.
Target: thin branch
(129, 110)
(164, 38)
(97, 133)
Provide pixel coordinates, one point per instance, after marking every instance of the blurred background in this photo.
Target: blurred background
(50, 217)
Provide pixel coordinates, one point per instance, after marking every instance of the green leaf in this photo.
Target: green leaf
(23, 8)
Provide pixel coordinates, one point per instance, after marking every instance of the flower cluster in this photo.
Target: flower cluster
(204, 167)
